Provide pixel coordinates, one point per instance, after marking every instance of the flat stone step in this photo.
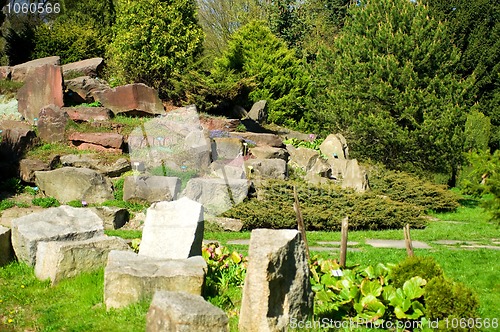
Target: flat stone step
(397, 244)
(454, 242)
(324, 249)
(336, 243)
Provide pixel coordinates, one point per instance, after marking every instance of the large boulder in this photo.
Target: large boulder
(228, 169)
(132, 99)
(20, 72)
(91, 161)
(56, 260)
(52, 122)
(150, 189)
(28, 167)
(266, 169)
(179, 311)
(258, 112)
(16, 138)
(88, 67)
(106, 142)
(80, 89)
(268, 152)
(320, 173)
(43, 86)
(302, 158)
(260, 139)
(88, 114)
(226, 148)
(6, 252)
(355, 176)
(63, 223)
(69, 183)
(173, 230)
(277, 288)
(335, 147)
(216, 195)
(129, 277)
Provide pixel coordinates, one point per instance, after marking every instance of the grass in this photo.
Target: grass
(76, 304)
(9, 88)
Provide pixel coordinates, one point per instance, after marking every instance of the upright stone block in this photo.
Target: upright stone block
(173, 230)
(129, 277)
(56, 260)
(179, 311)
(6, 252)
(63, 223)
(277, 287)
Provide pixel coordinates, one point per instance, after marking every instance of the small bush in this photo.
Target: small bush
(403, 187)
(446, 299)
(75, 203)
(424, 267)
(118, 189)
(46, 202)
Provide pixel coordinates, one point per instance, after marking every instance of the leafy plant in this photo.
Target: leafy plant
(424, 267)
(241, 128)
(12, 185)
(225, 270)
(45, 202)
(75, 203)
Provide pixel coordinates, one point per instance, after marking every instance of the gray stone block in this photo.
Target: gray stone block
(150, 189)
(6, 252)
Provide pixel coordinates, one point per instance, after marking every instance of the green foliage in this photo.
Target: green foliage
(7, 204)
(279, 77)
(403, 187)
(80, 31)
(226, 270)
(477, 131)
(9, 88)
(134, 207)
(75, 203)
(20, 42)
(241, 128)
(11, 185)
(154, 40)
(388, 83)
(446, 299)
(424, 267)
(45, 202)
(92, 104)
(286, 20)
(323, 208)
(471, 176)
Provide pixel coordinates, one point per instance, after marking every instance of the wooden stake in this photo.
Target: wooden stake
(409, 246)
(343, 241)
(300, 220)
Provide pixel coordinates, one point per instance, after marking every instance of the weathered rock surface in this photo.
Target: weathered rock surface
(112, 217)
(277, 287)
(355, 176)
(21, 71)
(129, 277)
(216, 195)
(179, 311)
(56, 260)
(150, 188)
(88, 114)
(335, 147)
(28, 167)
(226, 148)
(131, 99)
(261, 139)
(69, 183)
(258, 112)
(91, 161)
(5, 72)
(228, 169)
(63, 223)
(173, 230)
(15, 212)
(52, 122)
(302, 158)
(266, 169)
(109, 142)
(81, 89)
(268, 152)
(88, 67)
(227, 224)
(6, 251)
(43, 86)
(320, 173)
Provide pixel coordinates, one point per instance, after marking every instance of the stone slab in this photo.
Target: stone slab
(397, 244)
(129, 278)
(6, 251)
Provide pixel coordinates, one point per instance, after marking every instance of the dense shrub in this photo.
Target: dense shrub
(424, 267)
(403, 187)
(323, 208)
(447, 300)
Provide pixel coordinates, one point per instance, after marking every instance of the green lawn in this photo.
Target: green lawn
(27, 304)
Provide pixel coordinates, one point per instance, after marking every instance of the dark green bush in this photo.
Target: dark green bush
(323, 208)
(447, 300)
(424, 267)
(45, 202)
(404, 187)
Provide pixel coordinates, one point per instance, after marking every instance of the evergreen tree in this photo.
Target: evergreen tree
(388, 83)
(153, 40)
(278, 76)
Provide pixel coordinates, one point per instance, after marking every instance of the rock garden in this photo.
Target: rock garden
(149, 216)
